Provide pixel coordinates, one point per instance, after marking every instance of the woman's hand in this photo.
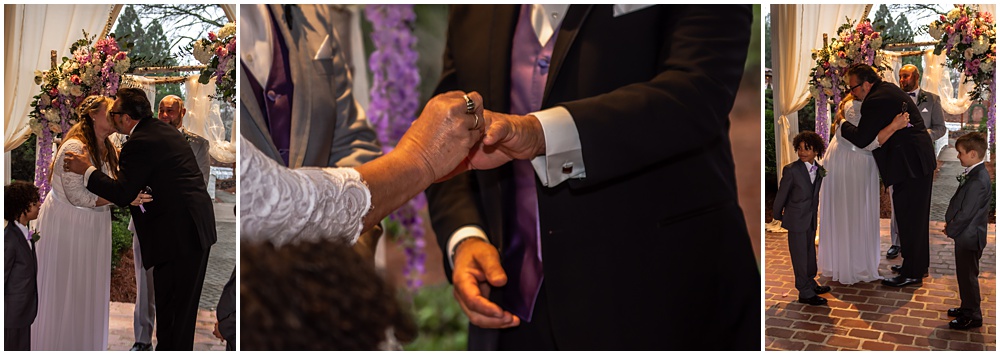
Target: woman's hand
(900, 121)
(440, 139)
(142, 198)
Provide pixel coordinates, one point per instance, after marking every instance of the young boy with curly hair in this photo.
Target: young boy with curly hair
(796, 206)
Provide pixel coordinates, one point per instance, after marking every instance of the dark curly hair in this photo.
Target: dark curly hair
(315, 296)
(864, 72)
(17, 199)
(812, 140)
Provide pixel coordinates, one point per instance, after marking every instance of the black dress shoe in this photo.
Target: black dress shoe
(814, 300)
(821, 289)
(896, 268)
(141, 347)
(954, 312)
(900, 281)
(965, 323)
(893, 252)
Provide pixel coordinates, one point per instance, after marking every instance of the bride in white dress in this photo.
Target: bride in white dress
(74, 252)
(849, 245)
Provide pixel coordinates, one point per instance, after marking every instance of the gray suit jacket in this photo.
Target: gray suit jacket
(797, 200)
(200, 147)
(969, 210)
(929, 105)
(20, 286)
(328, 126)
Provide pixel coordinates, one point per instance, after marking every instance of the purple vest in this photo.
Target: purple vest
(529, 70)
(275, 98)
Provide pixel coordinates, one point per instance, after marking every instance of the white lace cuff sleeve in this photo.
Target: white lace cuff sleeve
(286, 205)
(72, 184)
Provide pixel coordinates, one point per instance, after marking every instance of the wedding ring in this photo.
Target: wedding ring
(470, 106)
(476, 126)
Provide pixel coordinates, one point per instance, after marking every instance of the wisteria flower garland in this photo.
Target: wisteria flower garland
(394, 103)
(92, 69)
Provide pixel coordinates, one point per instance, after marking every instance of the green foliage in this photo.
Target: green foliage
(753, 53)
(896, 30)
(148, 47)
(121, 237)
(440, 321)
(770, 153)
(767, 41)
(22, 161)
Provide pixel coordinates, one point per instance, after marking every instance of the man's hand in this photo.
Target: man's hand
(141, 198)
(477, 267)
(76, 163)
(508, 137)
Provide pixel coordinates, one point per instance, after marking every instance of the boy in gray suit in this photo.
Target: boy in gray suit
(967, 217)
(20, 268)
(796, 207)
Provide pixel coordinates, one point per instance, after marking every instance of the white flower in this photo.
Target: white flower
(36, 127)
(953, 14)
(986, 66)
(52, 115)
(228, 30)
(123, 65)
(55, 127)
(45, 100)
(980, 45)
(202, 51)
(967, 54)
(877, 42)
(813, 91)
(826, 83)
(935, 31)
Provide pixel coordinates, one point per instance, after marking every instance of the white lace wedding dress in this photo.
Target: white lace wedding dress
(285, 205)
(849, 248)
(74, 264)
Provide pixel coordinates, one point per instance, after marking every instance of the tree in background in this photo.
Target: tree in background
(896, 30)
(148, 46)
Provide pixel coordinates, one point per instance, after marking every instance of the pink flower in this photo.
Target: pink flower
(221, 51)
(54, 92)
(211, 36)
(231, 46)
(120, 56)
(75, 79)
(107, 45)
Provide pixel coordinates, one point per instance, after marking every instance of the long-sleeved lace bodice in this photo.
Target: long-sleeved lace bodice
(285, 205)
(852, 113)
(70, 185)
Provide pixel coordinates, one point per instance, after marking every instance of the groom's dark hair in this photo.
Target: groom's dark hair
(864, 72)
(135, 104)
(17, 198)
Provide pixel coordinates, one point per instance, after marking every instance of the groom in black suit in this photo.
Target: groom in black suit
(176, 230)
(905, 161)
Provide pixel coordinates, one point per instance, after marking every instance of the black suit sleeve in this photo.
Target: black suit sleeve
(136, 164)
(877, 112)
(784, 187)
(702, 53)
(8, 255)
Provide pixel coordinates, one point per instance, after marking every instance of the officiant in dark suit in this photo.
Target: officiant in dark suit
(177, 229)
(905, 161)
(601, 246)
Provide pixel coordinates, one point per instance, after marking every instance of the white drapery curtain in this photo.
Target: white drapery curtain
(937, 79)
(230, 11)
(894, 62)
(30, 33)
(795, 31)
(203, 118)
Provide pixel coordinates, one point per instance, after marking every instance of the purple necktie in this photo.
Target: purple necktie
(522, 256)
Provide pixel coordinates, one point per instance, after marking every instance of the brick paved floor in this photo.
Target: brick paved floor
(869, 316)
(121, 335)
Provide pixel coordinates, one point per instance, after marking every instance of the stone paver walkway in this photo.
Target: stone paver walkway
(870, 316)
(222, 257)
(120, 334)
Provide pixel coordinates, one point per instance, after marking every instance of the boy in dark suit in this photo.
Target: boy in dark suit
(795, 206)
(20, 268)
(967, 217)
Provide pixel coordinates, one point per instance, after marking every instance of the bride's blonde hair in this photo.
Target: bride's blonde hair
(840, 116)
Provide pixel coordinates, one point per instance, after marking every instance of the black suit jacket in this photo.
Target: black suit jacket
(20, 285)
(181, 220)
(909, 153)
(797, 200)
(650, 93)
(969, 210)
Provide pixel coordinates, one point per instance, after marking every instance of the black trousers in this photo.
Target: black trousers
(802, 250)
(535, 335)
(17, 339)
(967, 270)
(177, 284)
(912, 201)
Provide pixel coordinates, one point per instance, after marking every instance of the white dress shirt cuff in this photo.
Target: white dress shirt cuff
(86, 175)
(563, 157)
(461, 234)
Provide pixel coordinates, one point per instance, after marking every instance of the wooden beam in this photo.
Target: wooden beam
(177, 69)
(906, 45)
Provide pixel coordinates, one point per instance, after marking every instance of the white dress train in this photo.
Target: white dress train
(286, 205)
(74, 264)
(849, 246)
